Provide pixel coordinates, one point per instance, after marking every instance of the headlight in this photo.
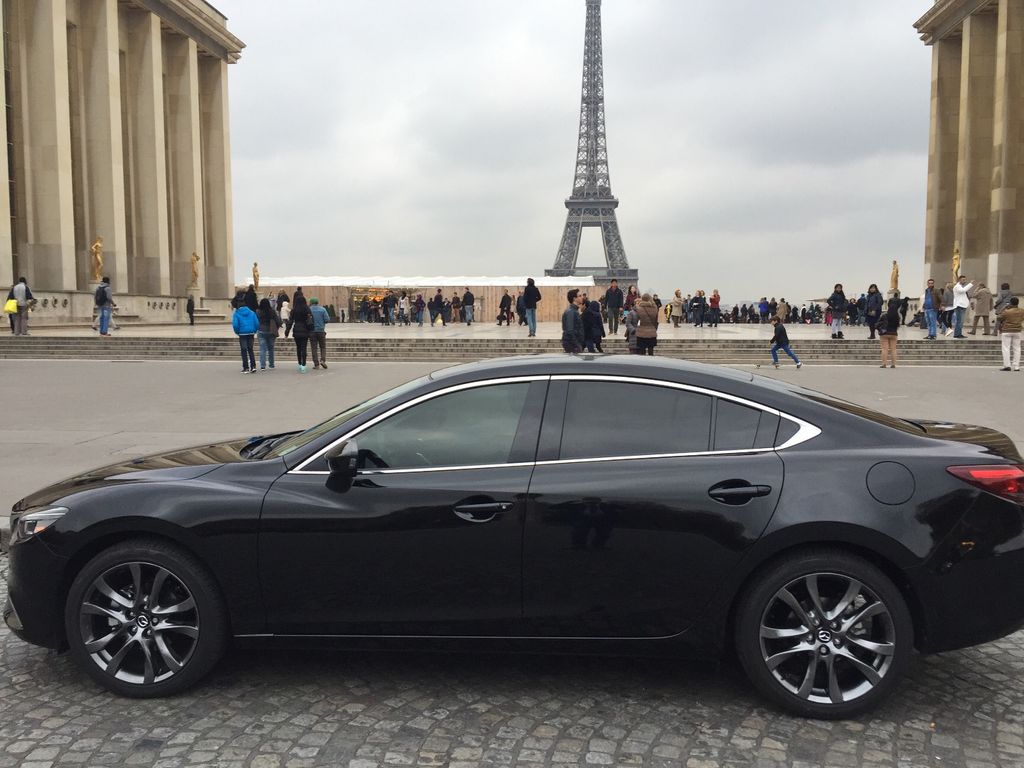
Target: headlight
(32, 523)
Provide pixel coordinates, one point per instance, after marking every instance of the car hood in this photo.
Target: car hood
(991, 439)
(181, 464)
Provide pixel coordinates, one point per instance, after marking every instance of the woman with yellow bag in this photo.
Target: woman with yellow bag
(11, 308)
(21, 294)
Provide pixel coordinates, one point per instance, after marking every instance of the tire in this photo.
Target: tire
(843, 665)
(140, 638)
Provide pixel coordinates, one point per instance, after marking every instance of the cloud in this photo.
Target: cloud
(758, 148)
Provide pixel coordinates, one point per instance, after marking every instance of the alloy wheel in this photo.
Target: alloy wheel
(827, 638)
(139, 623)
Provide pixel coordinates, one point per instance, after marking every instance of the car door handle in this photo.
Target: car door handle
(481, 513)
(738, 494)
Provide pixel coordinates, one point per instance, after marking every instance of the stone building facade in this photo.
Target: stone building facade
(976, 147)
(116, 125)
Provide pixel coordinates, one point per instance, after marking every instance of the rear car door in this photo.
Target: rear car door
(428, 538)
(644, 497)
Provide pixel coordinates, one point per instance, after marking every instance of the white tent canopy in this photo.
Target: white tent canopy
(444, 281)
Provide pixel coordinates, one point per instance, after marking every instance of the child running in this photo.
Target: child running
(781, 341)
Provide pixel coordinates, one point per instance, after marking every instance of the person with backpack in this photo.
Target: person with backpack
(270, 325)
(104, 300)
(318, 335)
(888, 329)
(246, 325)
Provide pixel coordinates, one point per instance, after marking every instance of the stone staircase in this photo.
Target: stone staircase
(981, 352)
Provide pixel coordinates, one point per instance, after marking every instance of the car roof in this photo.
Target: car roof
(656, 367)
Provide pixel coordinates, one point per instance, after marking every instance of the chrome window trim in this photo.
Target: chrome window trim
(805, 430)
(404, 406)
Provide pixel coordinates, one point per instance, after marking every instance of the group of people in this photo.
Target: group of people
(254, 318)
(583, 323)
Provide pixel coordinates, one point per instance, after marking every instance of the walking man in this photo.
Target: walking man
(190, 310)
(318, 336)
(931, 303)
(505, 309)
(781, 341)
(23, 295)
(982, 308)
(572, 324)
(961, 303)
(613, 301)
(531, 295)
(468, 300)
(1012, 321)
(105, 302)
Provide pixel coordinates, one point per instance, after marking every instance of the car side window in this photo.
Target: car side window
(625, 419)
(741, 428)
(465, 428)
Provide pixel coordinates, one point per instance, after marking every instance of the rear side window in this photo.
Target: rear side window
(626, 419)
(740, 428)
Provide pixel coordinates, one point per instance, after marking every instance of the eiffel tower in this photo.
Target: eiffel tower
(592, 203)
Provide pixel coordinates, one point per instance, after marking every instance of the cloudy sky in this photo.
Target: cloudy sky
(757, 148)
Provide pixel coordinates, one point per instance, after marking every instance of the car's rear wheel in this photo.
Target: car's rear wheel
(145, 619)
(824, 633)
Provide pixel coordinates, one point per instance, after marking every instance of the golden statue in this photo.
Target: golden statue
(195, 270)
(894, 278)
(256, 275)
(956, 262)
(97, 259)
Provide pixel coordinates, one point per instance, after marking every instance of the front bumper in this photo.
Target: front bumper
(35, 586)
(11, 618)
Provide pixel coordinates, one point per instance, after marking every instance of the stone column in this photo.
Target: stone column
(940, 221)
(219, 256)
(185, 160)
(974, 163)
(1007, 260)
(152, 258)
(49, 247)
(103, 139)
(6, 251)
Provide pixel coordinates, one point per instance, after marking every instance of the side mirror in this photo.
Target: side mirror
(343, 460)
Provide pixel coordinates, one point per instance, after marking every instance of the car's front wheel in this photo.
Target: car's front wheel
(145, 619)
(824, 633)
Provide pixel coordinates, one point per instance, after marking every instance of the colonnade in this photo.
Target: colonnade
(116, 124)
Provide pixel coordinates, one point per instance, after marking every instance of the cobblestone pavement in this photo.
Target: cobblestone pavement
(281, 710)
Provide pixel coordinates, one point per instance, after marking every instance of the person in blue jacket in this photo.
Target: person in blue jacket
(246, 324)
(318, 336)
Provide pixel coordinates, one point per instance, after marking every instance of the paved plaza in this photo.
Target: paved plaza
(282, 709)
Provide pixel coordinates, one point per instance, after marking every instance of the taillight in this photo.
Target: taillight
(1001, 480)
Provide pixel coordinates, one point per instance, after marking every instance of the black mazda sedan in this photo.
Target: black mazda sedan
(620, 503)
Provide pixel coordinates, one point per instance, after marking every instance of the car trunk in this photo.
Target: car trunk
(993, 440)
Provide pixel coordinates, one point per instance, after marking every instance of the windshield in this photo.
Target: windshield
(314, 433)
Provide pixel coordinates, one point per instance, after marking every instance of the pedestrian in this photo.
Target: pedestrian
(468, 305)
(531, 296)
(872, 308)
(286, 316)
(982, 308)
(1012, 319)
(1002, 302)
(318, 333)
(613, 303)
(715, 307)
(302, 325)
(251, 301)
(780, 340)
(572, 323)
(419, 305)
(647, 325)
(593, 327)
(632, 297)
(763, 309)
(631, 321)
(270, 324)
(104, 299)
(947, 309)
(782, 310)
(505, 309)
(190, 310)
(698, 304)
(837, 303)
(22, 294)
(403, 309)
(11, 310)
(931, 305)
(455, 306)
(888, 328)
(520, 305)
(961, 303)
(678, 311)
(437, 309)
(246, 325)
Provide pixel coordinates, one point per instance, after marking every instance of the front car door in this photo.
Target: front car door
(428, 538)
(645, 495)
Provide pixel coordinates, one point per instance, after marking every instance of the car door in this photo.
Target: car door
(427, 539)
(644, 497)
